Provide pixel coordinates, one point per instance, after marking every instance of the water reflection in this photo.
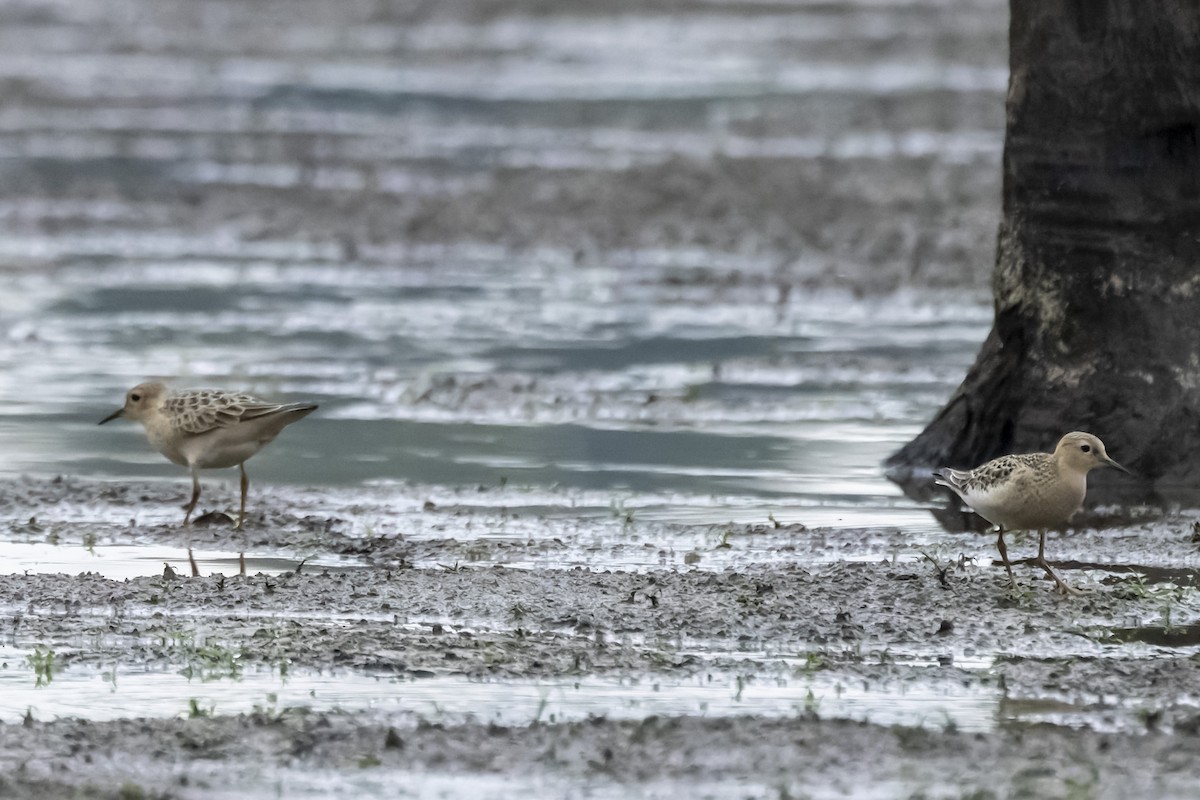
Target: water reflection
(448, 699)
(489, 372)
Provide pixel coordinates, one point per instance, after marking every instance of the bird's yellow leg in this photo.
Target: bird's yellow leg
(242, 518)
(1059, 584)
(190, 505)
(1004, 555)
(245, 487)
(188, 508)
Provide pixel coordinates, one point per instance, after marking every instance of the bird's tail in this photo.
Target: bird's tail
(949, 477)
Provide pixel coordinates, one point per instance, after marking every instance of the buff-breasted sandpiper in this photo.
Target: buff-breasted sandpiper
(1031, 491)
(208, 429)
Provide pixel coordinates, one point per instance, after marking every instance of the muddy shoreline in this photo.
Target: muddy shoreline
(572, 293)
(656, 757)
(1083, 691)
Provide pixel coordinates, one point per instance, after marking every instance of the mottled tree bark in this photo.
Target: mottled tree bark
(1097, 280)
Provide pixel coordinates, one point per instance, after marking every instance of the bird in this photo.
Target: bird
(207, 429)
(1031, 491)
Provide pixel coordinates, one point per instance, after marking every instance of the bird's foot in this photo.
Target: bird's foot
(1060, 586)
(1066, 589)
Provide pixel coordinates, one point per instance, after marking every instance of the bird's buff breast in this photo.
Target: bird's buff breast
(166, 440)
(215, 449)
(1033, 506)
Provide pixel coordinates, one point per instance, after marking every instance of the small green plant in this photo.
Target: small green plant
(750, 602)
(813, 662)
(1170, 596)
(110, 677)
(619, 511)
(1150, 717)
(1083, 789)
(89, 542)
(131, 791)
(196, 711)
(1165, 612)
(812, 703)
(543, 701)
(1167, 596)
(42, 662)
(1019, 596)
(206, 661)
(480, 551)
(786, 794)
(270, 709)
(1138, 586)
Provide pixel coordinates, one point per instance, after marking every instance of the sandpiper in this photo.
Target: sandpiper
(207, 429)
(1031, 491)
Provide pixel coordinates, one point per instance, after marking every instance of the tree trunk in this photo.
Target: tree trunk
(1097, 280)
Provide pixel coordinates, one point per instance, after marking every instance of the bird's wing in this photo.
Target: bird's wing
(203, 410)
(1012, 469)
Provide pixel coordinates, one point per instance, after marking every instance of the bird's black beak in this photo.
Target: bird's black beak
(1110, 463)
(120, 412)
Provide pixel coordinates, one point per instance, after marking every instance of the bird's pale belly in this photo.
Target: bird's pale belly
(215, 449)
(1033, 509)
(221, 448)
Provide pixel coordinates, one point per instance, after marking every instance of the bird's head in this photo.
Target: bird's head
(139, 401)
(1083, 452)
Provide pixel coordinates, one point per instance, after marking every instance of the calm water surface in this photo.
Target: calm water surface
(695, 402)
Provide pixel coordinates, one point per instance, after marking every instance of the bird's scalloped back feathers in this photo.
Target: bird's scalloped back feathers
(986, 477)
(202, 410)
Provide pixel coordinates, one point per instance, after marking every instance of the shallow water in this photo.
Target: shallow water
(721, 406)
(220, 685)
(449, 699)
(118, 562)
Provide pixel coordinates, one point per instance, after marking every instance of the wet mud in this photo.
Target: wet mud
(613, 313)
(1065, 691)
(655, 757)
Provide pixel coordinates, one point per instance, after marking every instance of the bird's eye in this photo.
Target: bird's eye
(1087, 448)
(135, 397)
